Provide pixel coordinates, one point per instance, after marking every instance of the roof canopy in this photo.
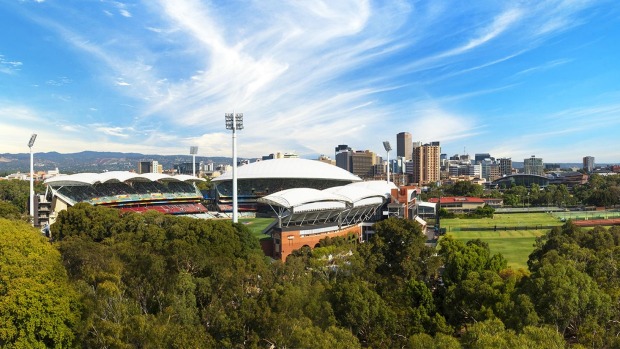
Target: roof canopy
(290, 168)
(305, 199)
(115, 177)
(351, 195)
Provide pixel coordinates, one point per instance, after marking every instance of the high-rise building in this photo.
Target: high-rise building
(152, 166)
(343, 157)
(533, 165)
(426, 163)
(588, 163)
(362, 163)
(186, 167)
(505, 166)
(404, 145)
(490, 170)
(478, 158)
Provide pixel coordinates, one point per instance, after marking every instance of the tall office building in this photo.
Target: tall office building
(478, 158)
(490, 169)
(404, 145)
(505, 166)
(426, 165)
(588, 163)
(533, 165)
(343, 157)
(152, 166)
(362, 163)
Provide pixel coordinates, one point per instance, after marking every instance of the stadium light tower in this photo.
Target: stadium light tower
(387, 147)
(30, 144)
(193, 151)
(234, 122)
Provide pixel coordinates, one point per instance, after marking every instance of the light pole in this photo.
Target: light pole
(30, 144)
(234, 122)
(387, 147)
(193, 151)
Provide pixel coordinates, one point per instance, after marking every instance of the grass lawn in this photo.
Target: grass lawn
(502, 220)
(514, 245)
(257, 225)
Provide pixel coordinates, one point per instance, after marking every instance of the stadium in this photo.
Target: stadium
(266, 177)
(309, 199)
(306, 215)
(127, 191)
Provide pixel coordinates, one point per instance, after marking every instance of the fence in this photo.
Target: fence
(502, 228)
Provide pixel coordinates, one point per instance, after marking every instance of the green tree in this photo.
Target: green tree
(466, 188)
(565, 297)
(460, 259)
(397, 251)
(38, 307)
(10, 211)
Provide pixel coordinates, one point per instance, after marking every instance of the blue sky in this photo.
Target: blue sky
(512, 78)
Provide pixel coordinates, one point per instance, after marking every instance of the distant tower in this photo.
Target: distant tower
(426, 165)
(588, 163)
(505, 166)
(404, 145)
(343, 157)
(478, 158)
(533, 165)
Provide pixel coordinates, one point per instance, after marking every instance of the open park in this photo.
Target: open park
(512, 235)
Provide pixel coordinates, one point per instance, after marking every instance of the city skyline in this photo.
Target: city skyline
(157, 77)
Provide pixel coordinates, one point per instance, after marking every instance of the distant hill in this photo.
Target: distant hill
(93, 161)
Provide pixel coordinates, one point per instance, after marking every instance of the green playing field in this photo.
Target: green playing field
(514, 245)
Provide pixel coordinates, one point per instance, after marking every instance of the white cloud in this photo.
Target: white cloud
(115, 131)
(9, 67)
(431, 123)
(307, 75)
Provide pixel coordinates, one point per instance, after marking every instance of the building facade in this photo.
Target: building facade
(362, 163)
(426, 165)
(588, 163)
(505, 166)
(343, 157)
(404, 145)
(533, 166)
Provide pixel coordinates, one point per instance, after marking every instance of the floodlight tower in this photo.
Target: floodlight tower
(234, 122)
(387, 147)
(193, 150)
(30, 144)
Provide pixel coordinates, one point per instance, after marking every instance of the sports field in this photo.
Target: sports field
(514, 245)
(256, 225)
(502, 220)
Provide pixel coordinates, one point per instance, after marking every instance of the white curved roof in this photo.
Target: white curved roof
(113, 177)
(290, 168)
(382, 187)
(296, 197)
(358, 195)
(354, 194)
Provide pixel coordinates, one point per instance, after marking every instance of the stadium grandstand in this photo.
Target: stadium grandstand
(307, 215)
(127, 191)
(263, 178)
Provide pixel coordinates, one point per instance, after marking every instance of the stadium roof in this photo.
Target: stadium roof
(290, 168)
(305, 199)
(115, 177)
(352, 195)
